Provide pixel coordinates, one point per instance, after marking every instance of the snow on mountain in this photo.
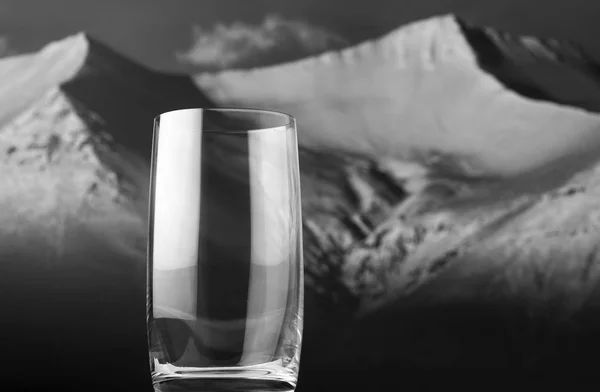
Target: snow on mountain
(419, 94)
(76, 126)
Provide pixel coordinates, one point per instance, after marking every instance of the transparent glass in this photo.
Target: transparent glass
(225, 275)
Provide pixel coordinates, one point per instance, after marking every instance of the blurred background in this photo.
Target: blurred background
(75, 133)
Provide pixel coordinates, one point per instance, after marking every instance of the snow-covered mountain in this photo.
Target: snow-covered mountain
(477, 181)
(76, 129)
(75, 132)
(395, 133)
(420, 93)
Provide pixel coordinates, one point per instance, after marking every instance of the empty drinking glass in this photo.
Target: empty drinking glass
(225, 275)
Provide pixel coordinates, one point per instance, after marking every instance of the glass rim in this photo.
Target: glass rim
(287, 124)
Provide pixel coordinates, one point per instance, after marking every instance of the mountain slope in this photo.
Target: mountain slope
(75, 131)
(417, 93)
(78, 103)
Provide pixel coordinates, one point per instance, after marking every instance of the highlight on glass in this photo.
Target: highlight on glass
(224, 273)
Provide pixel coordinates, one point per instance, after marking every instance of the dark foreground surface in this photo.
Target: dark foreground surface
(104, 347)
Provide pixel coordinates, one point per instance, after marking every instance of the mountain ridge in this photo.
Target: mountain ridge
(491, 46)
(81, 56)
(424, 76)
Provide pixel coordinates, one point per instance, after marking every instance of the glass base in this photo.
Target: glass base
(268, 377)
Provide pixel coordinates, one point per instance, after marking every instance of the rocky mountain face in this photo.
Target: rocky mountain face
(447, 189)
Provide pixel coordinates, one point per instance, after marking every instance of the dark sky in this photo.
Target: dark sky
(152, 30)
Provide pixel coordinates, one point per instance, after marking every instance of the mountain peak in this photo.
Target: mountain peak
(445, 100)
(76, 123)
(90, 72)
(79, 46)
(424, 43)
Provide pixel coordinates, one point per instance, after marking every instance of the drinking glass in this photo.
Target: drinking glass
(225, 274)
